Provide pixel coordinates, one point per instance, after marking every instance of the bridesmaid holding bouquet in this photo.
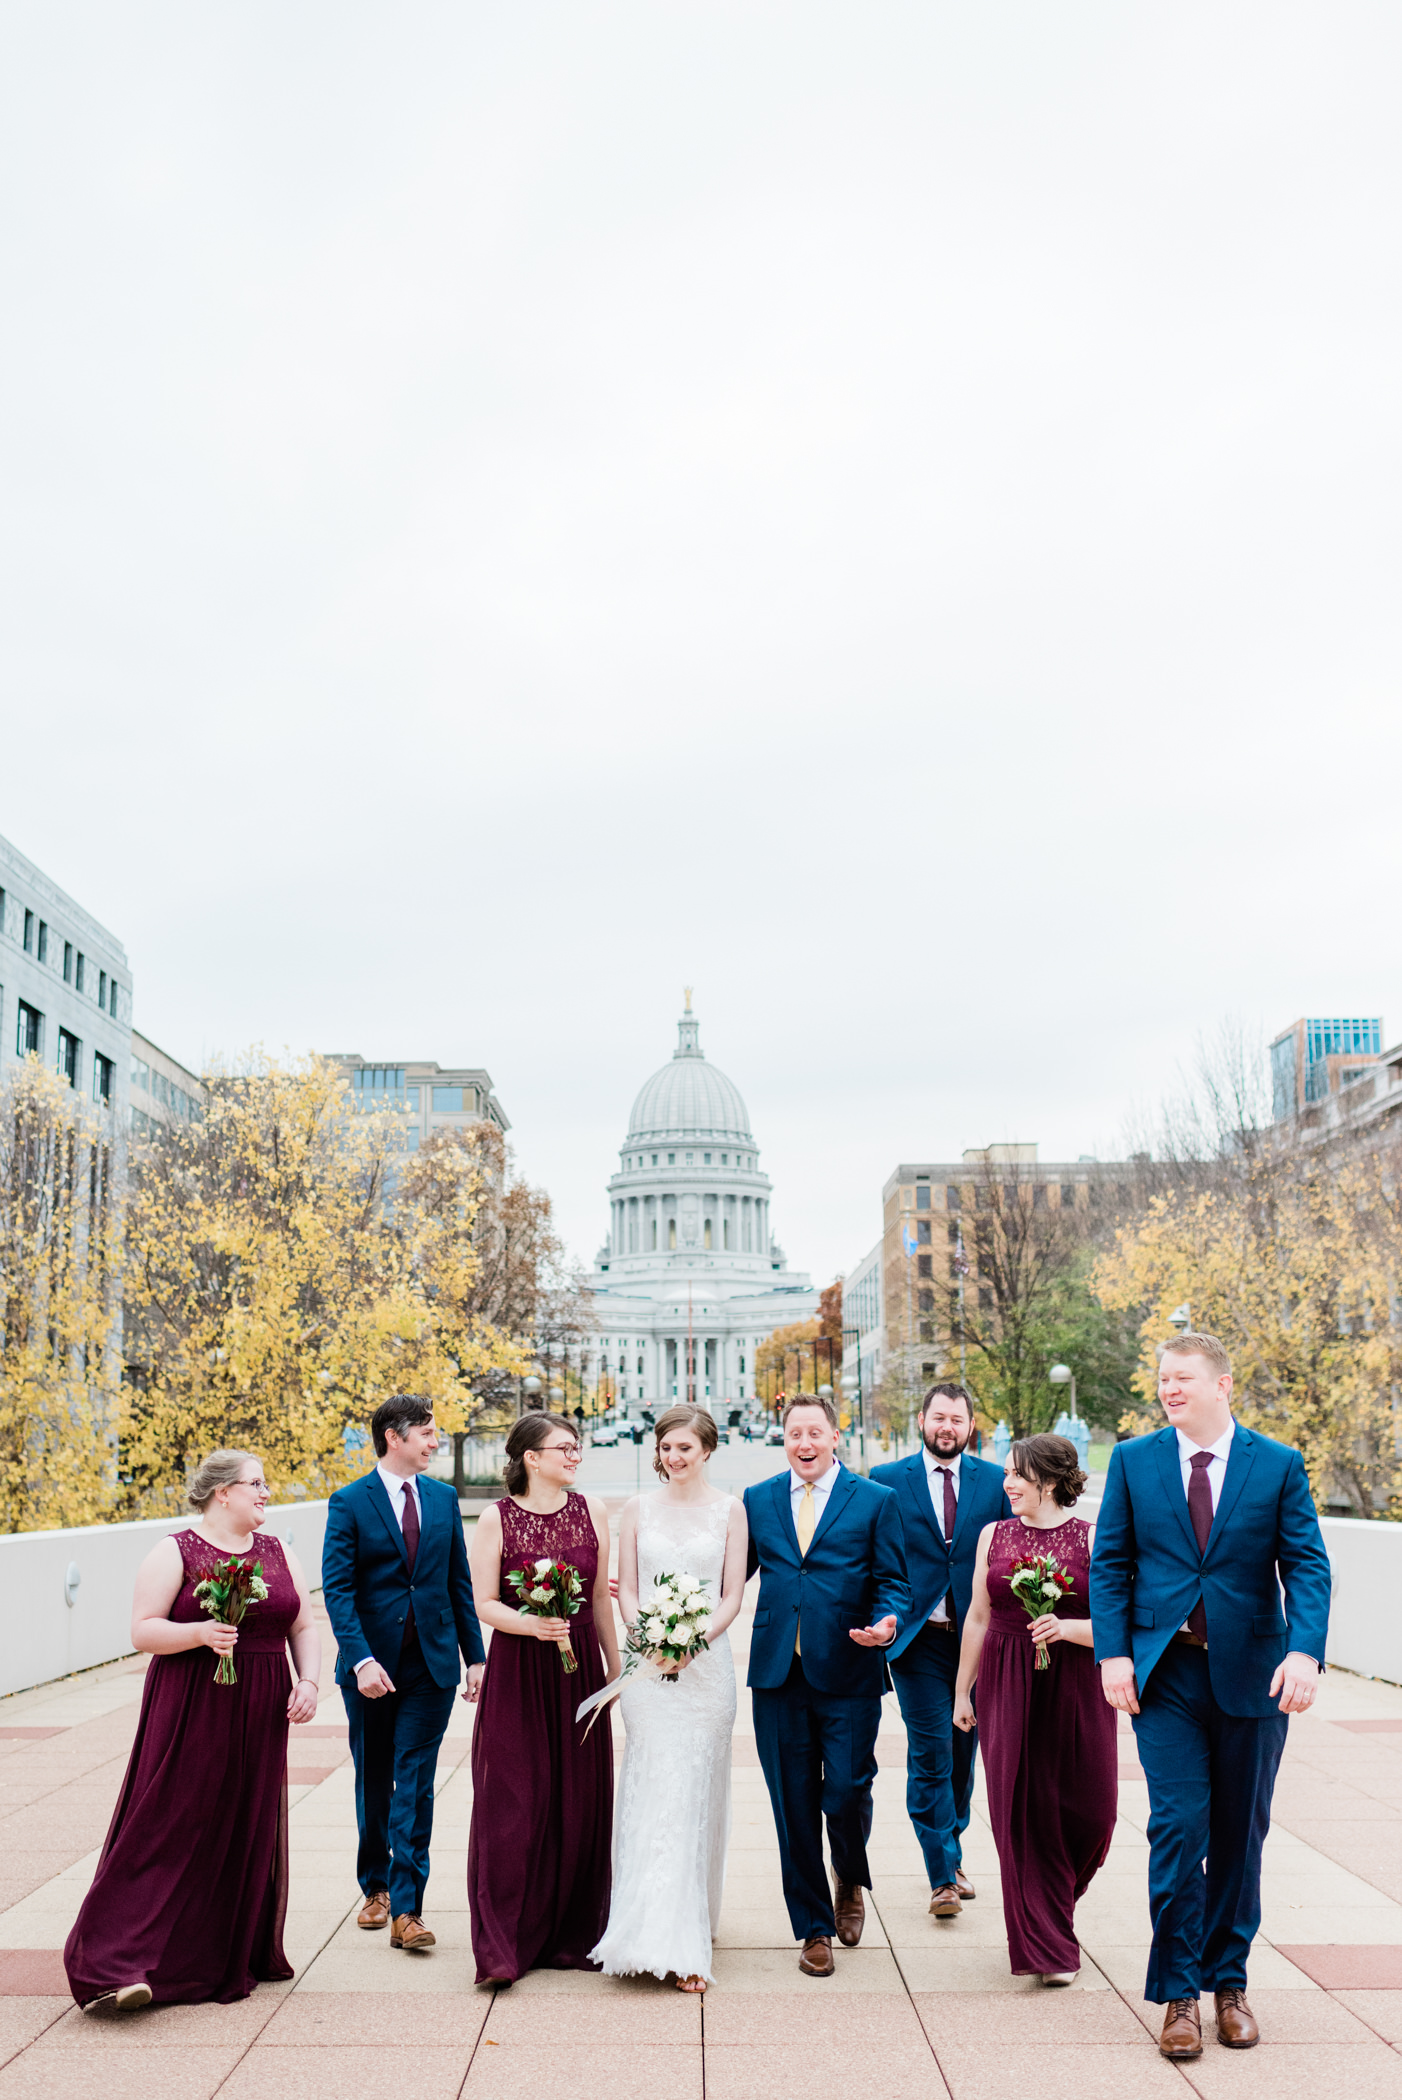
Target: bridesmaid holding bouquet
(538, 1874)
(1048, 1737)
(188, 1900)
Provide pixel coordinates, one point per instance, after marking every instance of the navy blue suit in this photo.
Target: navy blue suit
(817, 1714)
(925, 1662)
(1210, 1736)
(394, 1740)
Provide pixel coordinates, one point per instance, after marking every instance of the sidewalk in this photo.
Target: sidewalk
(920, 2009)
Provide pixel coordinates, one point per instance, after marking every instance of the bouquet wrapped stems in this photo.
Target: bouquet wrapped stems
(670, 1628)
(550, 1589)
(1039, 1582)
(226, 1594)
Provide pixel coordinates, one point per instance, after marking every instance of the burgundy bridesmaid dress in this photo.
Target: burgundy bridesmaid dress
(191, 1890)
(538, 1861)
(1049, 1754)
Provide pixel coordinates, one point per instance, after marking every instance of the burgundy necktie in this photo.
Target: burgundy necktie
(951, 1505)
(1200, 1510)
(951, 1511)
(411, 1547)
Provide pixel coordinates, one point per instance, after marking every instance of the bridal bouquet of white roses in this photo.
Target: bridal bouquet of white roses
(670, 1624)
(670, 1627)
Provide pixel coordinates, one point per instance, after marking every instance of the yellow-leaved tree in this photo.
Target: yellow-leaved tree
(290, 1263)
(60, 1305)
(272, 1298)
(1292, 1259)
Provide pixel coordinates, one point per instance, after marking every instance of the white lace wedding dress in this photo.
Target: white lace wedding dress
(671, 1818)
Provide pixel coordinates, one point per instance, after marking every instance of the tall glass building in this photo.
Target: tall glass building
(1316, 1057)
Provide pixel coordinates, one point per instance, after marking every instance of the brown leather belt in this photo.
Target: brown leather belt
(939, 1625)
(1191, 1640)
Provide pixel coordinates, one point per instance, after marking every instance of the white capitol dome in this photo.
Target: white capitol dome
(689, 1098)
(690, 1280)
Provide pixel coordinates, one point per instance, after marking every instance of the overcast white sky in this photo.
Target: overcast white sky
(886, 513)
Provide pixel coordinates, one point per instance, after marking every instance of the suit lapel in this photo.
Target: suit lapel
(1239, 1463)
(783, 1510)
(968, 1495)
(918, 1481)
(1171, 1478)
(379, 1496)
(838, 1495)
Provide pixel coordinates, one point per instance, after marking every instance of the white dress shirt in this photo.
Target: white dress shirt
(396, 1487)
(821, 1490)
(940, 1615)
(1217, 1471)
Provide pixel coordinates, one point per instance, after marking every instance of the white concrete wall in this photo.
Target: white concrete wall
(43, 1636)
(1365, 1629)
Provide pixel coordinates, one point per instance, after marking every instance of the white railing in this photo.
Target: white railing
(1364, 1631)
(51, 1624)
(67, 1594)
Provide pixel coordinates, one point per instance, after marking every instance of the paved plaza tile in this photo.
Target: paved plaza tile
(923, 2007)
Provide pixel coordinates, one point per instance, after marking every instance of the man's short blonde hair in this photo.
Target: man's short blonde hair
(1204, 1345)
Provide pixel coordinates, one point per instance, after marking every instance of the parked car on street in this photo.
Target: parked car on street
(774, 1435)
(604, 1434)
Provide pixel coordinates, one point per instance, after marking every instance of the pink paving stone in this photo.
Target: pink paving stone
(308, 1775)
(33, 1972)
(1341, 1968)
(1369, 1727)
(319, 1732)
(30, 1735)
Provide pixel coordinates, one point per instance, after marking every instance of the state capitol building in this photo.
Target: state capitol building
(690, 1250)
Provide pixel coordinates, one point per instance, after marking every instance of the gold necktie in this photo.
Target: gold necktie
(805, 1524)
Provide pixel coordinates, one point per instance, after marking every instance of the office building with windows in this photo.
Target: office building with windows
(1312, 1059)
(428, 1096)
(65, 987)
(923, 1241)
(690, 1280)
(163, 1091)
(864, 1320)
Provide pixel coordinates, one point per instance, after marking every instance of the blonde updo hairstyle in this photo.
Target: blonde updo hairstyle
(220, 1470)
(685, 1417)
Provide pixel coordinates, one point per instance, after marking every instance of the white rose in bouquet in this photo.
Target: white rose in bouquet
(543, 1567)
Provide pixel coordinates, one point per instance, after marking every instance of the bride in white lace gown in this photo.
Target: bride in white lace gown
(672, 1809)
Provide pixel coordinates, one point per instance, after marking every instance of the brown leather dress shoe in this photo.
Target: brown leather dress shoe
(944, 1903)
(816, 1958)
(850, 1911)
(1182, 2029)
(1236, 2023)
(375, 1912)
(964, 1885)
(412, 1934)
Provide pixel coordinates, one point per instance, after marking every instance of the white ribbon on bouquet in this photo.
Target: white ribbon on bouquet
(642, 1666)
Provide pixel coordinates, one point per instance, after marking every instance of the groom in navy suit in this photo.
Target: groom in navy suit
(399, 1597)
(1201, 1527)
(832, 1595)
(946, 1497)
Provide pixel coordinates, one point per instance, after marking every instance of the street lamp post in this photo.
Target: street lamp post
(1062, 1374)
(1071, 1425)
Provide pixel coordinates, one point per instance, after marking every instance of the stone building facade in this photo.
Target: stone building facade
(690, 1279)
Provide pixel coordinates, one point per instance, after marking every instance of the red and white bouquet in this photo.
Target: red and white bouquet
(226, 1593)
(1039, 1582)
(550, 1589)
